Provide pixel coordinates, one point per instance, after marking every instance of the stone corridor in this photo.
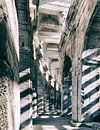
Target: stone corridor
(49, 64)
(55, 122)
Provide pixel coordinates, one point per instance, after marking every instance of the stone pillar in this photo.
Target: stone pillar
(25, 91)
(26, 106)
(76, 97)
(55, 95)
(16, 105)
(76, 82)
(34, 88)
(25, 83)
(62, 95)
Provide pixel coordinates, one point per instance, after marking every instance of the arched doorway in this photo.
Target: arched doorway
(66, 86)
(91, 69)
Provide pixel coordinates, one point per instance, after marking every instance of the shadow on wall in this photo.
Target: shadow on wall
(44, 96)
(91, 68)
(26, 89)
(67, 86)
(41, 95)
(90, 84)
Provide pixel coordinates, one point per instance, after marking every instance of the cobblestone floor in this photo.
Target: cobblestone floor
(54, 122)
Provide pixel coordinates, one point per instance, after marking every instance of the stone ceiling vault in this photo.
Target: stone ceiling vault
(51, 23)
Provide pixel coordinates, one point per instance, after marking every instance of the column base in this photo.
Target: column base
(75, 123)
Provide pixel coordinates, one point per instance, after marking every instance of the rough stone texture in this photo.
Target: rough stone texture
(3, 106)
(8, 90)
(9, 72)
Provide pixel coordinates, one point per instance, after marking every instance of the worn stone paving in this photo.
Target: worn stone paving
(55, 122)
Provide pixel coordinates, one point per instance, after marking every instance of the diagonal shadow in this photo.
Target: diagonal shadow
(91, 85)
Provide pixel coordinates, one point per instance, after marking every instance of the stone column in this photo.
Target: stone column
(76, 97)
(25, 83)
(34, 72)
(76, 81)
(62, 95)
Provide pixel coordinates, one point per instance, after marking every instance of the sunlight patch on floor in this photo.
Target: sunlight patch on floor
(49, 127)
(55, 116)
(70, 127)
(44, 117)
(54, 127)
(44, 127)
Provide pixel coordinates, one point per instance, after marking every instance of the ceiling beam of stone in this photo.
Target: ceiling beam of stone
(49, 30)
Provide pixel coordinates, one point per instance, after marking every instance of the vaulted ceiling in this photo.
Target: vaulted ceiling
(52, 15)
(51, 23)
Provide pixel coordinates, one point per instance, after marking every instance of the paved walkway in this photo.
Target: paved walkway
(54, 122)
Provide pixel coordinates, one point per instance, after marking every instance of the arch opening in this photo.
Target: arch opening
(67, 66)
(66, 104)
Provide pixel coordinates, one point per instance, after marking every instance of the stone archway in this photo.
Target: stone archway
(67, 86)
(67, 66)
(91, 68)
(82, 23)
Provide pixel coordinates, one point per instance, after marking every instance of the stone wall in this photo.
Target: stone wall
(3, 107)
(10, 112)
(9, 71)
(72, 43)
(9, 37)
(25, 82)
